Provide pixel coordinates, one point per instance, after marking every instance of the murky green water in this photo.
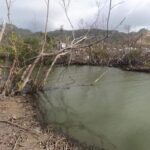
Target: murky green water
(114, 113)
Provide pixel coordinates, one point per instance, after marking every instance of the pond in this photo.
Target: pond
(106, 107)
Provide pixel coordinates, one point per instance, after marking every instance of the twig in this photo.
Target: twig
(46, 25)
(100, 77)
(2, 31)
(65, 7)
(108, 18)
(18, 126)
(16, 143)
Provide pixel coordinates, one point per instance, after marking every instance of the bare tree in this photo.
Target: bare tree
(75, 44)
(47, 2)
(128, 28)
(2, 31)
(9, 5)
(65, 5)
(5, 89)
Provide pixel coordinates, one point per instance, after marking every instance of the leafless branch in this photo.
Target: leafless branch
(2, 31)
(8, 5)
(53, 63)
(108, 18)
(119, 3)
(46, 24)
(19, 126)
(65, 7)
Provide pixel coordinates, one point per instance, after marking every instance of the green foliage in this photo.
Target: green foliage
(25, 48)
(1, 61)
(51, 43)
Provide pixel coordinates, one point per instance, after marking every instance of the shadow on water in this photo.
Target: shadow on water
(112, 114)
(66, 119)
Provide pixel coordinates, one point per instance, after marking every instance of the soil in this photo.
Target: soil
(21, 130)
(137, 68)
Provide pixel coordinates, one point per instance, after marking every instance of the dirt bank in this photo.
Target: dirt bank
(20, 129)
(137, 68)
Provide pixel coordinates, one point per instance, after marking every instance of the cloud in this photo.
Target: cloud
(135, 12)
(31, 13)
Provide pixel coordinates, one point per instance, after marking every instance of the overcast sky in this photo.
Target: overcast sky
(31, 14)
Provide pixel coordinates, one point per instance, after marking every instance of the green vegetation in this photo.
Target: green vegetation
(26, 53)
(24, 48)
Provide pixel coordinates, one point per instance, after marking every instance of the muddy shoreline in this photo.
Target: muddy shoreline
(132, 68)
(21, 129)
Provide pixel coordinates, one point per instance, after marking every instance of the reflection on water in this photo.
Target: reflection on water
(67, 119)
(113, 113)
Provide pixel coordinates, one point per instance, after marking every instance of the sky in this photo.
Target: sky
(31, 14)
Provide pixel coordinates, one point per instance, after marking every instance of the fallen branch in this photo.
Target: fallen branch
(100, 77)
(18, 126)
(16, 143)
(53, 63)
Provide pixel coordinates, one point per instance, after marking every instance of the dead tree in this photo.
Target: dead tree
(2, 31)
(8, 5)
(26, 75)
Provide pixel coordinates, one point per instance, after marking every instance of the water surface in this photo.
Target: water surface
(102, 106)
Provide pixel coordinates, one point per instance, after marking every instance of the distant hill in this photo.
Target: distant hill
(19, 31)
(145, 39)
(116, 36)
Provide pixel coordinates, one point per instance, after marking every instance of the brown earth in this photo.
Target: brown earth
(20, 129)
